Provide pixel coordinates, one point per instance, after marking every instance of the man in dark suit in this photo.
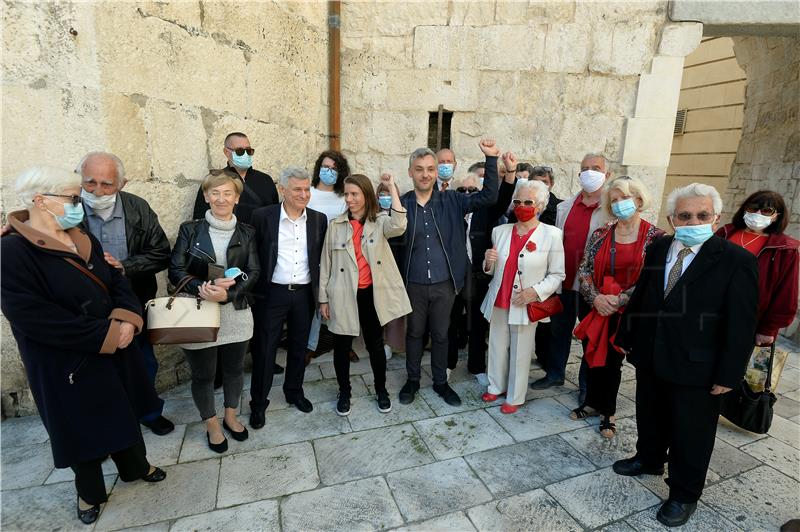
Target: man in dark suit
(290, 239)
(688, 329)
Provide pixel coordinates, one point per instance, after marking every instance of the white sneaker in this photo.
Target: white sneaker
(388, 351)
(482, 379)
(449, 371)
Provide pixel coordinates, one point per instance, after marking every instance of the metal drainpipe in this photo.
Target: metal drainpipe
(334, 74)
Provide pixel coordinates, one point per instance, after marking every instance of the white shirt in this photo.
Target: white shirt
(327, 202)
(292, 265)
(672, 257)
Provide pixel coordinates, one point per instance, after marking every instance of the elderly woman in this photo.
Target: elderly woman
(219, 256)
(527, 264)
(758, 226)
(611, 264)
(74, 317)
(360, 286)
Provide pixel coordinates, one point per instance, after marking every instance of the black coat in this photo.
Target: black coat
(704, 331)
(483, 221)
(548, 215)
(266, 222)
(193, 253)
(259, 191)
(89, 395)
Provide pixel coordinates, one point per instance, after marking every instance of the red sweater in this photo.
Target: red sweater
(778, 263)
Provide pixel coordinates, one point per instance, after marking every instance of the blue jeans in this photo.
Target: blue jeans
(151, 364)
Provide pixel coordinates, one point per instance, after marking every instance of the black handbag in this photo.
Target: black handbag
(748, 409)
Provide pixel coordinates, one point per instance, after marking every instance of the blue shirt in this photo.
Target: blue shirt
(111, 232)
(428, 259)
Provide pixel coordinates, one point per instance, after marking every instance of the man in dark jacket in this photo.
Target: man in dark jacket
(433, 261)
(133, 242)
(689, 329)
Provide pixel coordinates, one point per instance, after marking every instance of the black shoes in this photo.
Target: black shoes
(448, 394)
(544, 383)
(157, 475)
(277, 370)
(301, 403)
(384, 403)
(343, 404)
(674, 513)
(160, 425)
(257, 419)
(89, 516)
(407, 393)
(238, 436)
(631, 467)
(217, 447)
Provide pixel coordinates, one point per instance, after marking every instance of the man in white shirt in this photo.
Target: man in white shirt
(290, 238)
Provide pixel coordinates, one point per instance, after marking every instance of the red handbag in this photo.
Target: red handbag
(540, 310)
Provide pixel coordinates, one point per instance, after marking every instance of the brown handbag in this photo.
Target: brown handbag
(182, 320)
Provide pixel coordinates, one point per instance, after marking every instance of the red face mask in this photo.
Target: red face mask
(524, 213)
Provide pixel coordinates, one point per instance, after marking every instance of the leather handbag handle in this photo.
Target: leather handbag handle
(89, 274)
(768, 384)
(181, 284)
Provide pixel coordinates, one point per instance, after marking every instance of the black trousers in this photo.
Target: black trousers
(131, 464)
(280, 305)
(478, 326)
(372, 332)
(430, 305)
(602, 384)
(542, 343)
(561, 327)
(679, 421)
(457, 331)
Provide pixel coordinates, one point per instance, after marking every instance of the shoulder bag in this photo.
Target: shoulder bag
(748, 409)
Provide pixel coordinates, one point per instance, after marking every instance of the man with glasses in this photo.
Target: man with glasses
(133, 242)
(688, 329)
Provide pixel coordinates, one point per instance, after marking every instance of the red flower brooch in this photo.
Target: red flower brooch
(531, 246)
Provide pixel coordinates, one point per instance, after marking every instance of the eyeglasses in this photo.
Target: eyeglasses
(527, 203)
(240, 151)
(701, 216)
(766, 211)
(467, 190)
(541, 170)
(75, 200)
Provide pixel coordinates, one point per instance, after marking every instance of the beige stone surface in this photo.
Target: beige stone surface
(680, 39)
(567, 48)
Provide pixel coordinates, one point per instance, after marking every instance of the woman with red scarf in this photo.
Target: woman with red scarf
(611, 264)
(526, 263)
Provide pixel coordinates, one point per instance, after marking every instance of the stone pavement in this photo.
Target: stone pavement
(425, 466)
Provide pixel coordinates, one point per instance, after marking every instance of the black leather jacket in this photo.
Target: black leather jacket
(193, 252)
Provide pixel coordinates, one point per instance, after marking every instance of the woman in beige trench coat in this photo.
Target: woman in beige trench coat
(360, 285)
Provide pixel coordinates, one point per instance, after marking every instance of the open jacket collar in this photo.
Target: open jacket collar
(41, 240)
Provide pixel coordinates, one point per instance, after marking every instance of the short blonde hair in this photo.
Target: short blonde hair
(44, 180)
(630, 186)
(217, 178)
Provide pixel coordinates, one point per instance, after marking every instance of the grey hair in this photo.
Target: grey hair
(597, 156)
(43, 180)
(105, 155)
(541, 194)
(419, 153)
(694, 190)
(293, 172)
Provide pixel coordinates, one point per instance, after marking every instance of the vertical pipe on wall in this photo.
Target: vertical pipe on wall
(334, 74)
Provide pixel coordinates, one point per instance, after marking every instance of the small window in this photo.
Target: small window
(680, 121)
(439, 128)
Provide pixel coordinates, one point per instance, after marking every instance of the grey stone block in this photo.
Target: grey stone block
(704, 519)
(395, 379)
(364, 413)
(542, 417)
(26, 466)
(604, 451)
(469, 391)
(42, 508)
(730, 433)
(23, 431)
(454, 522)
(460, 434)
(254, 517)
(777, 454)
(728, 461)
(786, 431)
(534, 510)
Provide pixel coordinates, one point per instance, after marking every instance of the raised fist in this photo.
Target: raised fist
(510, 161)
(489, 148)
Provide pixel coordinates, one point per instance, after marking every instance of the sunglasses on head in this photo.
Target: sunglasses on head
(241, 151)
(527, 203)
(75, 200)
(467, 190)
(766, 211)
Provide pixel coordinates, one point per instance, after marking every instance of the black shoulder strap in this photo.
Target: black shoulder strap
(613, 251)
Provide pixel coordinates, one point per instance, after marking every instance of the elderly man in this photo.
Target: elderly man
(688, 329)
(578, 217)
(290, 239)
(133, 242)
(446, 168)
(433, 261)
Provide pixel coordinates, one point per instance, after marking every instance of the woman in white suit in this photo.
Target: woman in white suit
(527, 265)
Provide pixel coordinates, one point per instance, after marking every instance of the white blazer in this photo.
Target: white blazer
(598, 219)
(542, 269)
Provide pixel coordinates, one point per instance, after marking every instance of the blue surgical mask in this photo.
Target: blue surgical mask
(98, 202)
(73, 215)
(385, 202)
(445, 171)
(233, 273)
(328, 176)
(243, 161)
(624, 209)
(691, 235)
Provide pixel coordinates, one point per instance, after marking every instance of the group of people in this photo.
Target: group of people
(446, 263)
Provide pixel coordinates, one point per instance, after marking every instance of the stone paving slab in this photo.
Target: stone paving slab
(786, 431)
(536, 419)
(41, 508)
(658, 483)
(534, 511)
(604, 451)
(730, 433)
(364, 413)
(361, 505)
(460, 434)
(777, 454)
(395, 379)
(728, 461)
(704, 519)
(26, 430)
(26, 466)
(470, 392)
(602, 496)
(370, 453)
(265, 474)
(253, 517)
(454, 522)
(182, 410)
(525, 466)
(435, 489)
(66, 474)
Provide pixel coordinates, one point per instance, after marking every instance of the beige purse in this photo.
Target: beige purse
(182, 320)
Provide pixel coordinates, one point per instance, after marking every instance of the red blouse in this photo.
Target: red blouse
(512, 268)
(364, 273)
(625, 265)
(749, 241)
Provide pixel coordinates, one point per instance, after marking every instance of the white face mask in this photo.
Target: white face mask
(757, 221)
(99, 202)
(591, 180)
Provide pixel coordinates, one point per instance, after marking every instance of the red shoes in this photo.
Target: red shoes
(508, 409)
(489, 397)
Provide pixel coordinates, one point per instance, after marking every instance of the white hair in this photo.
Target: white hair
(43, 180)
(541, 194)
(694, 190)
(102, 155)
(293, 172)
(596, 156)
(419, 153)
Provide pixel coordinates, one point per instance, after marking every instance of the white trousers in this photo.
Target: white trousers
(510, 351)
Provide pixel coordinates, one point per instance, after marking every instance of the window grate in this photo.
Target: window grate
(439, 128)
(680, 122)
